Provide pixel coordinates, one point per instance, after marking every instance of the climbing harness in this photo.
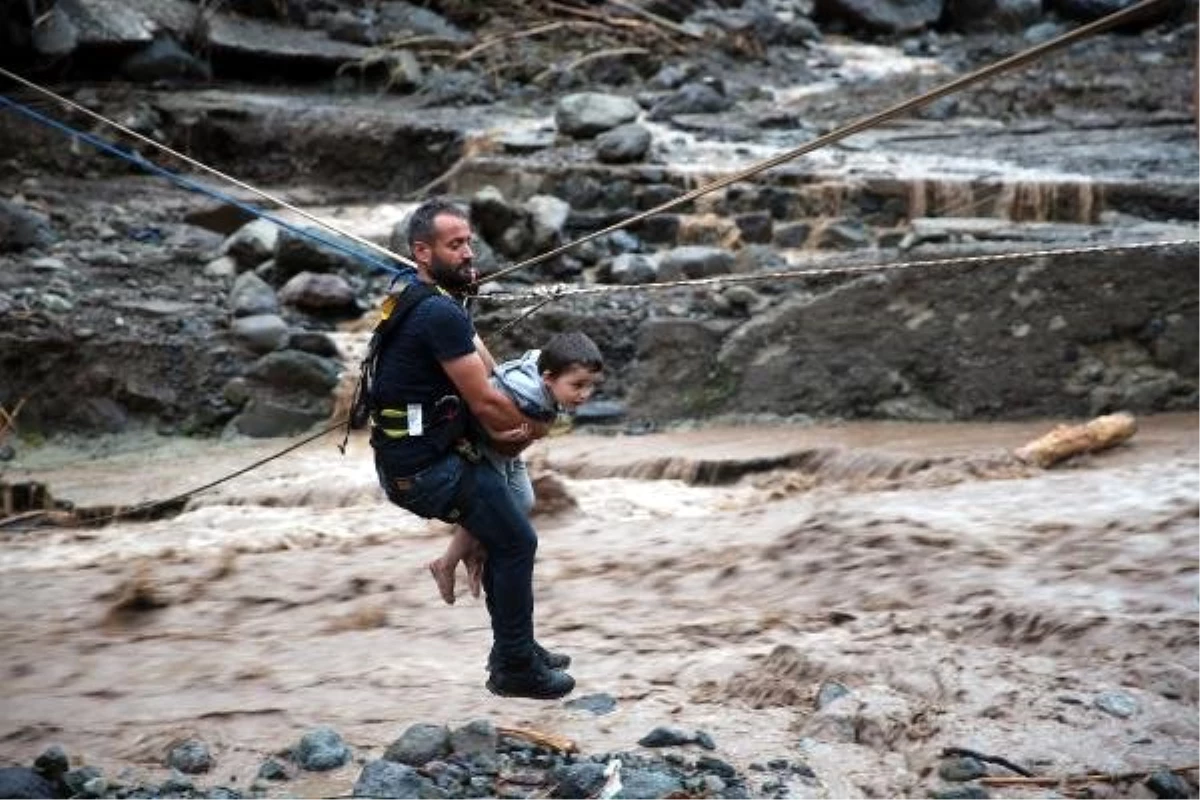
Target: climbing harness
(444, 421)
(546, 295)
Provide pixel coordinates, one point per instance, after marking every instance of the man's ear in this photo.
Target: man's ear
(421, 251)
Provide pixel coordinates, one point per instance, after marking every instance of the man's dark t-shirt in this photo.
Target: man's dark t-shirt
(409, 371)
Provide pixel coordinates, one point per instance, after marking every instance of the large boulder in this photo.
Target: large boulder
(585, 114)
(883, 16)
(987, 15)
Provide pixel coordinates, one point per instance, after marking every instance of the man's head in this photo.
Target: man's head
(571, 366)
(439, 237)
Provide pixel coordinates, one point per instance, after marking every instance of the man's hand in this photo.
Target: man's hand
(518, 434)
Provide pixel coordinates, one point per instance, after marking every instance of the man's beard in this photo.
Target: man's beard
(454, 279)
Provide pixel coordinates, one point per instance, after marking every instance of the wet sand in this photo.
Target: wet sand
(977, 605)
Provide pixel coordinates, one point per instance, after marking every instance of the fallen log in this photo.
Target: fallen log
(1067, 441)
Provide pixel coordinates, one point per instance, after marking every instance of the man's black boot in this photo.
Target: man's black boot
(534, 680)
(550, 659)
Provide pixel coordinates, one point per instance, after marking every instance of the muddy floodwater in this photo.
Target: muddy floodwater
(964, 601)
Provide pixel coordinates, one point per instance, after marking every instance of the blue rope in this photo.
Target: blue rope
(187, 183)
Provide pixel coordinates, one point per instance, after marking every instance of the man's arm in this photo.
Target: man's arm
(492, 407)
(488, 361)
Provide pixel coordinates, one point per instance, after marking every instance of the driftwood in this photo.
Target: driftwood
(560, 743)
(1067, 441)
(1095, 777)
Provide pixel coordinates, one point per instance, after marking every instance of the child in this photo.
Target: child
(544, 384)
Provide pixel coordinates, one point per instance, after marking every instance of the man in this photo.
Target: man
(427, 371)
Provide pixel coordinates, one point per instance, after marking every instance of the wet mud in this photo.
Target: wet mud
(979, 608)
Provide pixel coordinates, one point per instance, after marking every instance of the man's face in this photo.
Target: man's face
(448, 258)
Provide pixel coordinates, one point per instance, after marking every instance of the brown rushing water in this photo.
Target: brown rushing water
(978, 605)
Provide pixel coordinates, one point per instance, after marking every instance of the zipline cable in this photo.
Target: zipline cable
(861, 124)
(565, 290)
(193, 185)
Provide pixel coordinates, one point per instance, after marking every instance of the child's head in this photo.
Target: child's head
(571, 366)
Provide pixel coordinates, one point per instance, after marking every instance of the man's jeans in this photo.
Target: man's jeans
(444, 491)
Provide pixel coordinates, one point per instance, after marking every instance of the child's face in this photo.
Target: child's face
(573, 386)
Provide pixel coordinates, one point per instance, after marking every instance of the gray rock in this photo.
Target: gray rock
(844, 234)
(404, 71)
(312, 291)
(1119, 704)
(623, 144)
(477, 737)
(691, 98)
(694, 261)
(389, 779)
(320, 750)
(314, 251)
(265, 417)
(54, 34)
(830, 691)
(398, 18)
(988, 15)
(1043, 32)
(492, 215)
(190, 757)
(292, 369)
(22, 228)
(96, 787)
(77, 779)
(586, 114)
(22, 782)
(600, 411)
(584, 779)
(666, 736)
(221, 267)
(262, 333)
(884, 16)
(251, 295)
(629, 269)
(961, 769)
(645, 783)
(419, 744)
(1167, 784)
(598, 704)
(252, 244)
(756, 227)
(101, 414)
(547, 215)
(164, 59)
(315, 342)
(272, 770)
(793, 235)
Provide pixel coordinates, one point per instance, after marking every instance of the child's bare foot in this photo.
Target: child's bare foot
(475, 576)
(443, 575)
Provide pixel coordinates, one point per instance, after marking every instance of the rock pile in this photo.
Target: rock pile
(432, 760)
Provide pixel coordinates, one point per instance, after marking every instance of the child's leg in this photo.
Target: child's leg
(461, 545)
(520, 486)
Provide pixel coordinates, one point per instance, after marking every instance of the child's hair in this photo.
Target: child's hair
(566, 350)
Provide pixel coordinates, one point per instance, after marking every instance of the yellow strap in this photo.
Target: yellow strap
(393, 413)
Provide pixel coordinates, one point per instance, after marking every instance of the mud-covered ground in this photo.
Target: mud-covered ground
(976, 605)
